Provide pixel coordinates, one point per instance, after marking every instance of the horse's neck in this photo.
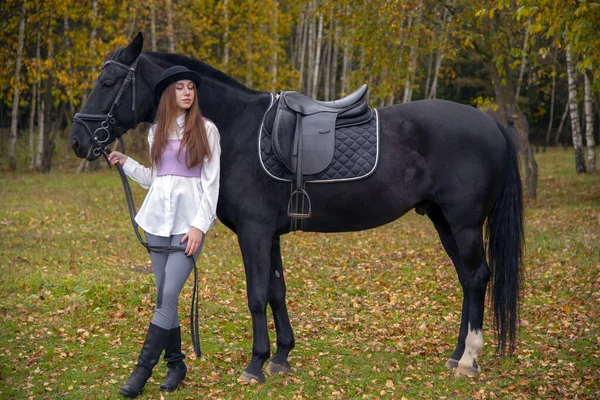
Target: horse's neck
(220, 97)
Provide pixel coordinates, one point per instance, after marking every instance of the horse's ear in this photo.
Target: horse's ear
(134, 48)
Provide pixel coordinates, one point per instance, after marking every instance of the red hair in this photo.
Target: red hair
(194, 132)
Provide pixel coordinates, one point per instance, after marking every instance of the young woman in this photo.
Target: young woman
(179, 209)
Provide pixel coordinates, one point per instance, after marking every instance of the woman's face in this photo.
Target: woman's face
(185, 90)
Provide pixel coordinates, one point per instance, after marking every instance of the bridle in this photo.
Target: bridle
(108, 127)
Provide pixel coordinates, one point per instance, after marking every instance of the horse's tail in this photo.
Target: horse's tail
(505, 242)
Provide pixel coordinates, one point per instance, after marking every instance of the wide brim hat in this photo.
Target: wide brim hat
(172, 75)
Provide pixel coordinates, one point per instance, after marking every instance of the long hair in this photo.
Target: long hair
(194, 132)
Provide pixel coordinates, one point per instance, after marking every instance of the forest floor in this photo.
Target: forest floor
(375, 313)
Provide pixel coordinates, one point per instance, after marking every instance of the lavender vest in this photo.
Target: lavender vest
(170, 164)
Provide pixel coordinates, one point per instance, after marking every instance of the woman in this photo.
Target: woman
(179, 209)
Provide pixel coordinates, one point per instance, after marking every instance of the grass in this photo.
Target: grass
(375, 313)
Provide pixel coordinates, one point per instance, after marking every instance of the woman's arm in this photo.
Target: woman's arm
(142, 175)
(209, 179)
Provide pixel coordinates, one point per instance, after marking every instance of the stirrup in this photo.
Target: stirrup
(298, 197)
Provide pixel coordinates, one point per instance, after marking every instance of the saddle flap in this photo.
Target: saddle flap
(283, 131)
(318, 142)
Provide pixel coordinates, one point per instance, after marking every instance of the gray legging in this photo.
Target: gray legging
(171, 270)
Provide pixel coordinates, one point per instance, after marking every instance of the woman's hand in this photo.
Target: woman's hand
(194, 238)
(117, 157)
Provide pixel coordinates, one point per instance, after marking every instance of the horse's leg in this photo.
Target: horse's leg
(464, 243)
(256, 249)
(276, 296)
(443, 228)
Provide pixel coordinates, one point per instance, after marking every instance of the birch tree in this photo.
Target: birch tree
(574, 112)
(589, 125)
(15, 106)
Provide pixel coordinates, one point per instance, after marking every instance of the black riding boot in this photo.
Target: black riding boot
(174, 358)
(155, 343)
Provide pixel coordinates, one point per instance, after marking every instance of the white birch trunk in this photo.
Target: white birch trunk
(303, 49)
(334, 61)
(225, 36)
(345, 60)
(31, 126)
(523, 63)
(12, 150)
(153, 25)
(40, 147)
(170, 32)
(589, 125)
(575, 126)
(275, 50)
(407, 84)
(561, 124)
(315, 80)
(552, 97)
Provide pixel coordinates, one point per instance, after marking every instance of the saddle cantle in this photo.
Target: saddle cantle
(306, 140)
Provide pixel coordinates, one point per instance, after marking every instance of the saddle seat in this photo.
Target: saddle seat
(303, 132)
(307, 106)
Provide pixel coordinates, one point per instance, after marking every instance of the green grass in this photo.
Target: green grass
(375, 313)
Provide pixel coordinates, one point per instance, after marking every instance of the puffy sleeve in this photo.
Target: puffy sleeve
(142, 175)
(207, 212)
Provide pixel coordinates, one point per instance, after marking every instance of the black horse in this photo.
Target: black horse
(448, 161)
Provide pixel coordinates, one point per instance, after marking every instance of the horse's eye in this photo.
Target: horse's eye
(108, 84)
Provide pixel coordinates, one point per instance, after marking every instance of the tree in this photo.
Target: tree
(15, 101)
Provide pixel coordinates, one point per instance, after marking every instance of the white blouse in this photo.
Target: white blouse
(176, 203)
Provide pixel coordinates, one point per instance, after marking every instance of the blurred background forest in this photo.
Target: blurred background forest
(532, 64)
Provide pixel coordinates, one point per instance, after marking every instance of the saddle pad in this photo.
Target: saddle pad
(355, 157)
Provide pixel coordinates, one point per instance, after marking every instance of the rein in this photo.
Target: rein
(162, 249)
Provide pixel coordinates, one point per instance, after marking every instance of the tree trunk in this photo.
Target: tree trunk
(561, 124)
(408, 90)
(225, 36)
(12, 157)
(275, 53)
(39, 161)
(575, 126)
(549, 132)
(523, 63)
(334, 61)
(317, 64)
(303, 46)
(327, 69)
(86, 165)
(589, 125)
(32, 125)
(511, 114)
(170, 33)
(345, 58)
(310, 68)
(153, 25)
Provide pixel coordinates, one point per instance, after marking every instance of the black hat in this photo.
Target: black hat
(172, 75)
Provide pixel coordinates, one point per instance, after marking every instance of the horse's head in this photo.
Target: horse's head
(117, 103)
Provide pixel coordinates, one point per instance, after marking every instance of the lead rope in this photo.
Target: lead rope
(161, 249)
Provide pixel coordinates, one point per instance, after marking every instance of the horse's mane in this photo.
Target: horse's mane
(168, 59)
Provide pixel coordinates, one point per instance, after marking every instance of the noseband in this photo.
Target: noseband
(108, 127)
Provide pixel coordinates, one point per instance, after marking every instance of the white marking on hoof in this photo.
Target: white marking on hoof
(467, 365)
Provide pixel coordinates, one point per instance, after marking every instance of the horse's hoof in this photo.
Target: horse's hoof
(451, 363)
(465, 370)
(275, 368)
(251, 379)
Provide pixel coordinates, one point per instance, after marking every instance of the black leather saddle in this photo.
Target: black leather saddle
(303, 135)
